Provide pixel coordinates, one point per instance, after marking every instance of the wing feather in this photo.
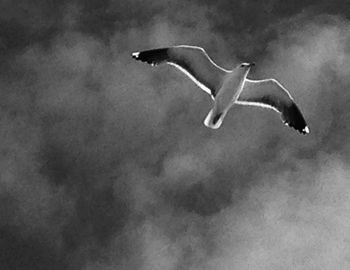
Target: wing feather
(192, 61)
(271, 94)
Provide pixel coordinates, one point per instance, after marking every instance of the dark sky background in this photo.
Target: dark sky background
(105, 163)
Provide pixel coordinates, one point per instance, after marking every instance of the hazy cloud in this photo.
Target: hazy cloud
(105, 163)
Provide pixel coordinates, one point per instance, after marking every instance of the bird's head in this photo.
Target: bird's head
(246, 65)
(244, 68)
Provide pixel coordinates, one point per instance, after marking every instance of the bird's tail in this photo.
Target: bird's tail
(214, 119)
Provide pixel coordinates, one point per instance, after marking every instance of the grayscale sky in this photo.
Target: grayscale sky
(105, 161)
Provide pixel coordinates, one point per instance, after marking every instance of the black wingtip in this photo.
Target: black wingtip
(294, 118)
(152, 57)
(304, 131)
(135, 55)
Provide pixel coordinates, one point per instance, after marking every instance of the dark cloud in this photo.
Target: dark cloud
(105, 163)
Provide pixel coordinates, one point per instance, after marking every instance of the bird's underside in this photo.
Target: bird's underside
(192, 61)
(272, 95)
(197, 65)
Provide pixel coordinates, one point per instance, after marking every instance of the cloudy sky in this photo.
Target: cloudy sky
(106, 164)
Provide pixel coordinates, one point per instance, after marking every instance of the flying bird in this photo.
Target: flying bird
(227, 87)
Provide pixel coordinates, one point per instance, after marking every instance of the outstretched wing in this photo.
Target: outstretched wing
(191, 60)
(271, 94)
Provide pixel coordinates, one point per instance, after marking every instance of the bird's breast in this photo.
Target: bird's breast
(230, 90)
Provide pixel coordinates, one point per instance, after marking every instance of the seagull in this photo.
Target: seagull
(227, 87)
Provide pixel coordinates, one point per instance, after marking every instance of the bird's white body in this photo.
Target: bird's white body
(227, 87)
(229, 92)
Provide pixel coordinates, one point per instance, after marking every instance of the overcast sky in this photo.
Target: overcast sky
(105, 162)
